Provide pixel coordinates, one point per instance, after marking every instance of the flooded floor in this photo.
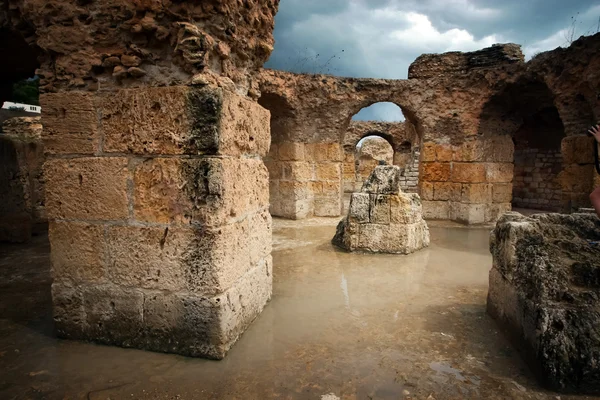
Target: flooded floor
(339, 325)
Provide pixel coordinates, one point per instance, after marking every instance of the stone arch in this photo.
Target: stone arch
(521, 132)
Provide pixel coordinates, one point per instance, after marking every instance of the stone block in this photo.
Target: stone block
(502, 192)
(383, 180)
(494, 211)
(499, 172)
(436, 210)
(291, 151)
(68, 311)
(78, 252)
(379, 209)
(205, 261)
(443, 152)
(405, 209)
(435, 172)
(476, 193)
(428, 152)
(70, 122)
(491, 149)
(209, 190)
(468, 172)
(544, 296)
(275, 169)
(446, 191)
(578, 150)
(427, 190)
(294, 190)
(183, 120)
(321, 152)
(328, 206)
(469, 214)
(360, 211)
(328, 171)
(87, 188)
(576, 178)
(297, 171)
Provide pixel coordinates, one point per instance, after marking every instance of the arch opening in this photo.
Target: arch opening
(525, 112)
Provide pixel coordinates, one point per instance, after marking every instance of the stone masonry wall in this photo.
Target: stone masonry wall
(159, 222)
(535, 184)
(22, 210)
(305, 179)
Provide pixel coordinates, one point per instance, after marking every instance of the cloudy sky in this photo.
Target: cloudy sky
(380, 38)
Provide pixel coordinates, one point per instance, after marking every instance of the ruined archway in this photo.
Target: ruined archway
(524, 112)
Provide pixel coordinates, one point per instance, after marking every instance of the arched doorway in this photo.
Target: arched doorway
(392, 131)
(525, 112)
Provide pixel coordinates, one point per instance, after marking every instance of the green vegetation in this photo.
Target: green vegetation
(27, 91)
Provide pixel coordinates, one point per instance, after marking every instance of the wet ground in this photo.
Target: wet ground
(339, 325)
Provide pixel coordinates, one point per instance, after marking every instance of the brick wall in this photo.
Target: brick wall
(536, 183)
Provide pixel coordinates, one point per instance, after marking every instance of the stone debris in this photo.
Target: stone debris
(545, 292)
(382, 219)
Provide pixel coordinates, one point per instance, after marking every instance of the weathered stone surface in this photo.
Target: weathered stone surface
(174, 42)
(544, 292)
(199, 326)
(70, 123)
(87, 188)
(382, 219)
(209, 190)
(183, 120)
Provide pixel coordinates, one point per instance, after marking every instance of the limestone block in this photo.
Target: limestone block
(443, 152)
(383, 223)
(427, 190)
(436, 172)
(70, 123)
(383, 180)
(328, 171)
(323, 152)
(183, 120)
(436, 210)
(87, 188)
(289, 151)
(297, 171)
(184, 323)
(491, 149)
(469, 214)
(328, 206)
(476, 193)
(576, 178)
(445, 191)
(78, 252)
(428, 152)
(494, 211)
(577, 150)
(208, 190)
(545, 296)
(468, 172)
(360, 211)
(502, 192)
(379, 209)
(499, 172)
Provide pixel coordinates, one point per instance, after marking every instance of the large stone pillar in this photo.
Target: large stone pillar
(159, 223)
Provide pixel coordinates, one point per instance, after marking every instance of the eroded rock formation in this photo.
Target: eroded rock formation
(22, 209)
(544, 291)
(382, 219)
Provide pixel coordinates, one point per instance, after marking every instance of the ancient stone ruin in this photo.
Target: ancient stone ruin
(544, 292)
(167, 148)
(22, 209)
(382, 219)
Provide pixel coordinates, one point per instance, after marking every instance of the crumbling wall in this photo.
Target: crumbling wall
(22, 210)
(466, 109)
(156, 191)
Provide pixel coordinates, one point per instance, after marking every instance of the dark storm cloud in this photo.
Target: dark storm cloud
(380, 38)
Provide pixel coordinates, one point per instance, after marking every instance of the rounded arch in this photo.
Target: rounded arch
(385, 136)
(521, 125)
